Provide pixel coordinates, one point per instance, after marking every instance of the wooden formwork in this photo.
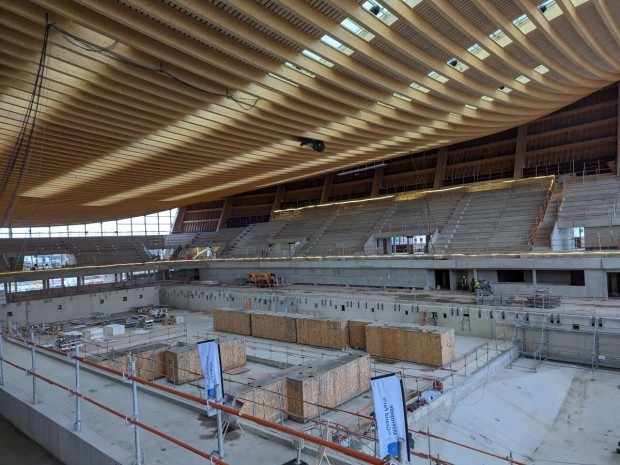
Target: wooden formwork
(328, 383)
(357, 333)
(322, 332)
(429, 345)
(183, 362)
(267, 400)
(232, 352)
(150, 360)
(232, 321)
(274, 326)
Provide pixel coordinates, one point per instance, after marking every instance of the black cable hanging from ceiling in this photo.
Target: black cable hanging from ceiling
(243, 102)
(25, 137)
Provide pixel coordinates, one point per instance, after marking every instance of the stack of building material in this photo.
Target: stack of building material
(183, 362)
(150, 360)
(357, 333)
(110, 331)
(92, 334)
(429, 345)
(232, 321)
(329, 383)
(274, 326)
(322, 332)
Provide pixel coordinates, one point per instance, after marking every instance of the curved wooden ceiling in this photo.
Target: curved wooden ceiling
(145, 105)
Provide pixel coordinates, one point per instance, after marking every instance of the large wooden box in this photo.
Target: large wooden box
(274, 326)
(232, 321)
(357, 333)
(428, 345)
(183, 362)
(268, 399)
(322, 332)
(150, 360)
(329, 383)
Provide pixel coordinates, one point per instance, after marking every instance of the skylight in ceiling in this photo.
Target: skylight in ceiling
(458, 65)
(438, 77)
(379, 11)
(412, 3)
(550, 9)
(333, 43)
(542, 69)
(576, 3)
(280, 78)
(471, 107)
(505, 89)
(416, 86)
(522, 79)
(299, 70)
(500, 38)
(357, 30)
(386, 105)
(402, 97)
(524, 24)
(477, 51)
(317, 58)
(487, 98)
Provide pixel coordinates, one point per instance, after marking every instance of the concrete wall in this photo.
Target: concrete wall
(441, 406)
(54, 432)
(418, 273)
(77, 306)
(479, 321)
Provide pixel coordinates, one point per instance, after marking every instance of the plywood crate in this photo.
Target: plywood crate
(232, 321)
(329, 383)
(150, 360)
(429, 345)
(232, 352)
(274, 326)
(357, 333)
(183, 362)
(322, 332)
(267, 399)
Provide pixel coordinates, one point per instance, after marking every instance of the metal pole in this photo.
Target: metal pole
(134, 391)
(33, 369)
(428, 436)
(220, 436)
(1, 361)
(78, 413)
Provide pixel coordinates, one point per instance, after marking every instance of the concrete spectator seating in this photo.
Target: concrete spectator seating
(255, 239)
(172, 241)
(422, 214)
(590, 201)
(347, 230)
(302, 224)
(217, 240)
(87, 250)
(495, 220)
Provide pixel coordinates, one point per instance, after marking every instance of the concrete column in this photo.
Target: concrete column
(534, 279)
(440, 168)
(618, 135)
(520, 151)
(327, 187)
(377, 181)
(225, 213)
(277, 201)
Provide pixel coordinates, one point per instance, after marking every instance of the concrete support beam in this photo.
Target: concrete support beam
(440, 169)
(520, 151)
(377, 181)
(327, 187)
(225, 213)
(277, 201)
